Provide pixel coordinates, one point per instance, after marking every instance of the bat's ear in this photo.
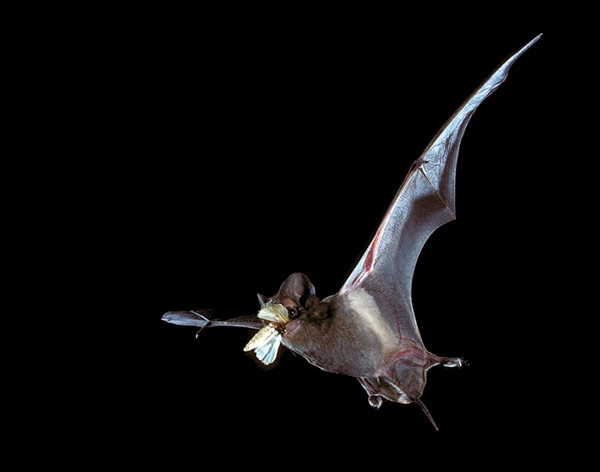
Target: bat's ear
(298, 288)
(262, 300)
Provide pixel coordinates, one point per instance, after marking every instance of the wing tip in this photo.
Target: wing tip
(519, 52)
(531, 43)
(185, 318)
(536, 38)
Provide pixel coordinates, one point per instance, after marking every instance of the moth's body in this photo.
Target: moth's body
(368, 330)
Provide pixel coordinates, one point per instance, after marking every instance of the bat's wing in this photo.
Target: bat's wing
(424, 202)
(201, 320)
(379, 288)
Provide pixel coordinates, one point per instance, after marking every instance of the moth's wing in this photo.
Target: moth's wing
(264, 336)
(267, 353)
(265, 344)
(274, 312)
(424, 202)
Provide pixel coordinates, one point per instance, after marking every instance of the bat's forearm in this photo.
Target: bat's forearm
(197, 319)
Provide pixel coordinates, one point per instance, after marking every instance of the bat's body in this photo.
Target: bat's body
(368, 329)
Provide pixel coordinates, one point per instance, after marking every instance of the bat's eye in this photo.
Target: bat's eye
(292, 312)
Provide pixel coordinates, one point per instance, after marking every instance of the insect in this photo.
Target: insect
(266, 342)
(368, 329)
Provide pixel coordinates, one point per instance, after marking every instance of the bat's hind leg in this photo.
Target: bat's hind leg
(375, 400)
(404, 379)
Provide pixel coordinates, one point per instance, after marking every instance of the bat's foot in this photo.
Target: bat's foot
(375, 401)
(453, 362)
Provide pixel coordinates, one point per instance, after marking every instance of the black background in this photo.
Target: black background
(182, 160)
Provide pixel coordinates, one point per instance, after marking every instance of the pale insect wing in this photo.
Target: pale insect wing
(268, 352)
(275, 312)
(261, 338)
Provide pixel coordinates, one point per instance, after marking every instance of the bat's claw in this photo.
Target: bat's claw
(453, 362)
(375, 401)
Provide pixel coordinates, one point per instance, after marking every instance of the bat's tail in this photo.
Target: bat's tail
(426, 411)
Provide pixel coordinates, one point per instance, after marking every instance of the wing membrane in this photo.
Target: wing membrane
(424, 202)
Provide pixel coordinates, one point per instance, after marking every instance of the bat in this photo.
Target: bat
(368, 329)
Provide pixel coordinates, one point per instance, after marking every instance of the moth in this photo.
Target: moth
(266, 342)
(368, 329)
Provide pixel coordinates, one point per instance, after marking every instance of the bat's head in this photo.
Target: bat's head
(306, 333)
(297, 294)
(282, 314)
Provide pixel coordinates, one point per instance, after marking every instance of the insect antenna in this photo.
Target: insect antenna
(426, 411)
